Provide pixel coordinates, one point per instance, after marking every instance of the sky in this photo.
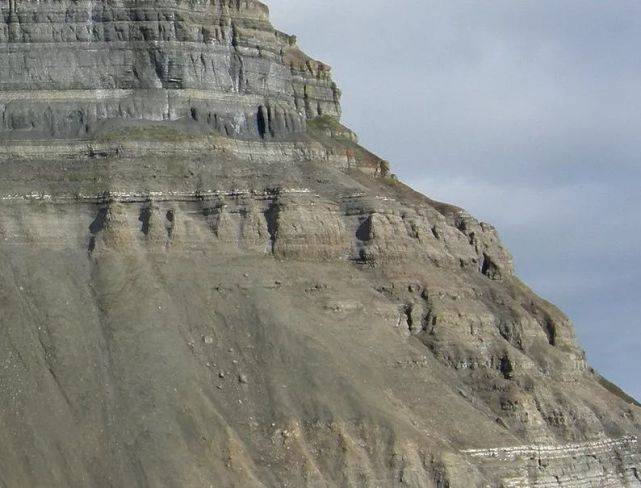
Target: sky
(526, 113)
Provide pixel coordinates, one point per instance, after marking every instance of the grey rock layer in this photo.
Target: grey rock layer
(65, 66)
(193, 303)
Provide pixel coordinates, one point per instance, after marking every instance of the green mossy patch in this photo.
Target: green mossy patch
(156, 133)
(325, 122)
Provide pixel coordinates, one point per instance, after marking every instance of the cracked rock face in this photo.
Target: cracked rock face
(207, 281)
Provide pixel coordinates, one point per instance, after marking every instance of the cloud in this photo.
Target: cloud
(525, 113)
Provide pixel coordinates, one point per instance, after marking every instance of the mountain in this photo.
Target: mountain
(208, 282)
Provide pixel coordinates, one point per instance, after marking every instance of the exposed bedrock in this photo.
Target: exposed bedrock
(248, 334)
(424, 345)
(65, 66)
(208, 282)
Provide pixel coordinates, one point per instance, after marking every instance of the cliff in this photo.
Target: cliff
(209, 282)
(66, 66)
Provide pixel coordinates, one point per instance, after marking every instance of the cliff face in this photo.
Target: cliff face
(66, 66)
(208, 282)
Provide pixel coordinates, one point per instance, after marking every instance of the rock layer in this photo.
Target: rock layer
(67, 66)
(189, 302)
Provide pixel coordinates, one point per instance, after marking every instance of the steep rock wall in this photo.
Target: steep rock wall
(66, 65)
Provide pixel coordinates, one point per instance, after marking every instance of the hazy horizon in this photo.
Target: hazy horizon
(526, 114)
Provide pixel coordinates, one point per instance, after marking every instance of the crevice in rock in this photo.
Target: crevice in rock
(408, 308)
(92, 244)
(472, 238)
(489, 268)
(212, 214)
(429, 322)
(271, 217)
(160, 63)
(506, 368)
(144, 218)
(262, 121)
(171, 217)
(550, 331)
(95, 227)
(61, 388)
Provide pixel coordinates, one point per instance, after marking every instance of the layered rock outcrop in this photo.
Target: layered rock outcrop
(67, 66)
(208, 282)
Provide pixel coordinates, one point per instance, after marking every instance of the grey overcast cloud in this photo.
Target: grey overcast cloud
(527, 114)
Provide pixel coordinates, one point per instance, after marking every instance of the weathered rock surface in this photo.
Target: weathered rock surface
(208, 282)
(66, 66)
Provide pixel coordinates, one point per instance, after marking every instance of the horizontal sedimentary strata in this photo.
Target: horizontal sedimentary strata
(206, 277)
(266, 86)
(149, 196)
(117, 146)
(558, 451)
(446, 317)
(98, 20)
(600, 463)
(301, 224)
(40, 114)
(299, 221)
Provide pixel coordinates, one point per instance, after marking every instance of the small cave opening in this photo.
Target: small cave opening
(262, 121)
(364, 230)
(489, 268)
(550, 331)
